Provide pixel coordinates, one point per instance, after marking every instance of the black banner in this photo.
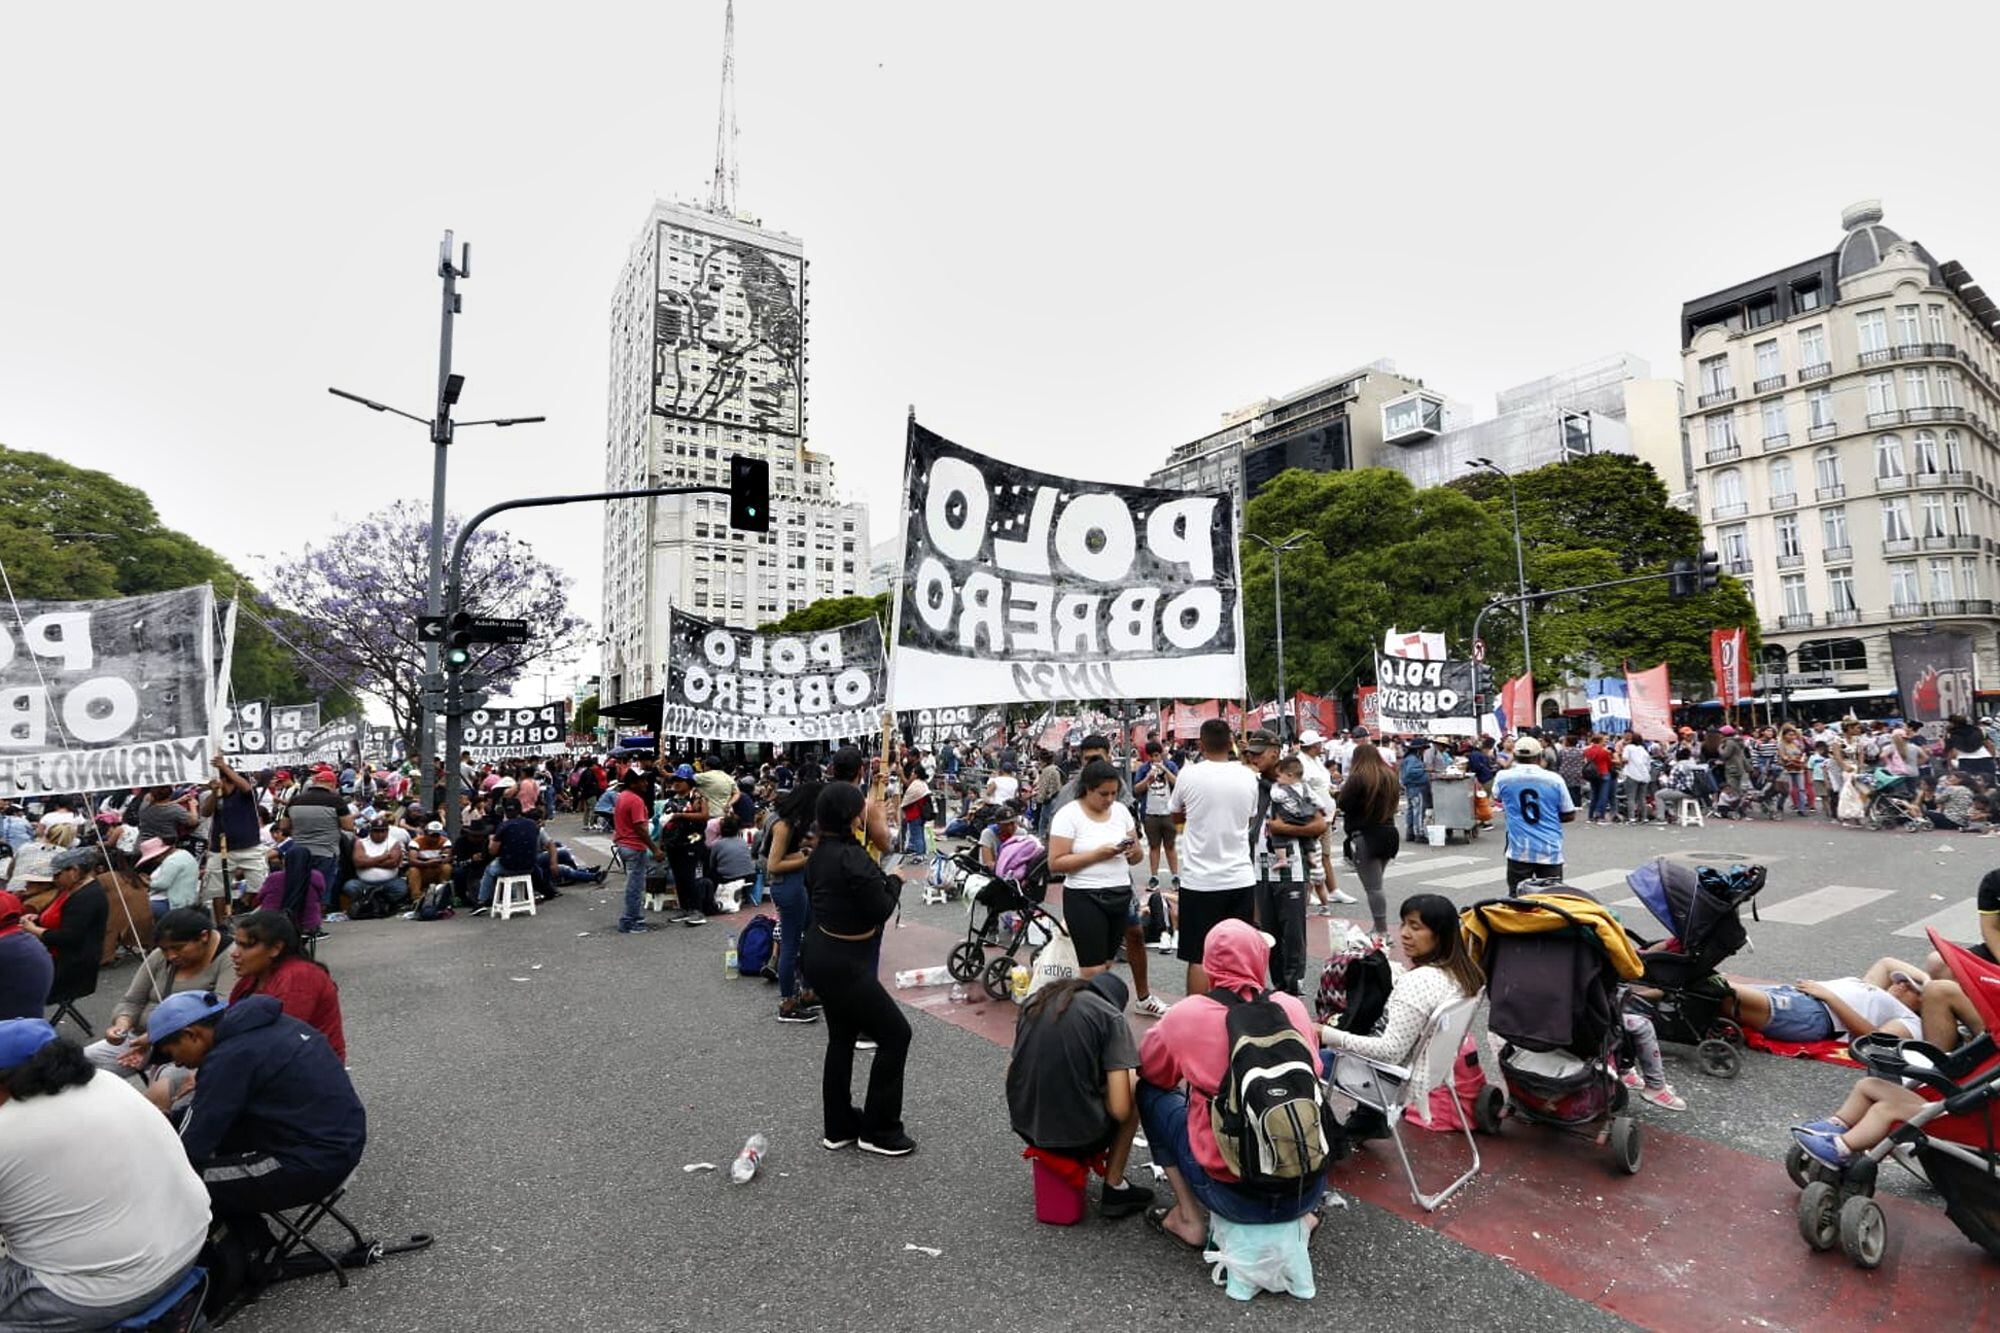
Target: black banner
(1023, 586)
(110, 688)
(1933, 674)
(1414, 695)
(728, 684)
(498, 733)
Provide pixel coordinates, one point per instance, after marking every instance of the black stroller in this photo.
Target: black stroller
(1700, 903)
(1554, 960)
(1001, 912)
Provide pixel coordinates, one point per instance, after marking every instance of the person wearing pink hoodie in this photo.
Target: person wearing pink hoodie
(1183, 1060)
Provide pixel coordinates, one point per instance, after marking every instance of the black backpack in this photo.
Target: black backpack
(435, 905)
(1270, 1116)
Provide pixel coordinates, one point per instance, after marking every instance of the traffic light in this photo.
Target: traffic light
(1680, 578)
(458, 643)
(1711, 570)
(1482, 680)
(749, 494)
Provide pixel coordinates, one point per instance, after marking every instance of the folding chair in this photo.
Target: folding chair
(67, 1009)
(179, 1311)
(1390, 1089)
(294, 1231)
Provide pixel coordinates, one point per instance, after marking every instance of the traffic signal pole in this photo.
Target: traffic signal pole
(749, 495)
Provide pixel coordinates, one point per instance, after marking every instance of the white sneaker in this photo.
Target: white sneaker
(1166, 944)
(1343, 896)
(1151, 1007)
(1664, 1097)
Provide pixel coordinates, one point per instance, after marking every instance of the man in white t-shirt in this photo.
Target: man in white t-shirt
(1218, 880)
(1884, 999)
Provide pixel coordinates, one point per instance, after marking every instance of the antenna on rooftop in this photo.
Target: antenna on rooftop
(722, 188)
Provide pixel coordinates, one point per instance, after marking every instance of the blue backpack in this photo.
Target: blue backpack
(756, 945)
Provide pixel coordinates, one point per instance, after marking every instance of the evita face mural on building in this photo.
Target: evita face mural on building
(729, 333)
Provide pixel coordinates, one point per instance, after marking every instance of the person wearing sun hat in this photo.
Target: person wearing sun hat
(174, 877)
(99, 1211)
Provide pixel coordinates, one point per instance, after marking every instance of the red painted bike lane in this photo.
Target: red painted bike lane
(1703, 1237)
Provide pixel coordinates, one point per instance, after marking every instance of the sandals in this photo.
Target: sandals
(1156, 1218)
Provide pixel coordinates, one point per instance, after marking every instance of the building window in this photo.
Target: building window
(1968, 577)
(1936, 313)
(1917, 387)
(1774, 418)
(1909, 327)
(1787, 529)
(1761, 311)
(1714, 376)
(1793, 587)
(1925, 452)
(1819, 407)
(1782, 481)
(1733, 543)
(1872, 327)
(1903, 594)
(1933, 515)
(1840, 590)
(1833, 527)
(1896, 520)
(1812, 346)
(1721, 431)
(1768, 361)
(1833, 655)
(1940, 580)
(1728, 484)
(1889, 458)
(1947, 383)
(1806, 298)
(1961, 515)
(1881, 392)
(1826, 470)
(1954, 456)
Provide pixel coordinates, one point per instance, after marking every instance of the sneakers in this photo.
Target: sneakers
(1166, 944)
(797, 1013)
(675, 913)
(1830, 1125)
(832, 1144)
(694, 919)
(1343, 896)
(625, 928)
(1631, 1078)
(1664, 1097)
(1826, 1149)
(1152, 881)
(1123, 1200)
(888, 1145)
(864, 1043)
(1151, 1006)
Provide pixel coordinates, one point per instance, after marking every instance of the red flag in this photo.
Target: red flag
(1371, 711)
(1729, 656)
(1233, 714)
(1650, 698)
(1517, 697)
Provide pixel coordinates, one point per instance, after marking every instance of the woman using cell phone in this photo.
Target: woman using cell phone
(1093, 844)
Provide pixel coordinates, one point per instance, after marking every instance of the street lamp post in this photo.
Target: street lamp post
(1520, 560)
(1277, 551)
(441, 428)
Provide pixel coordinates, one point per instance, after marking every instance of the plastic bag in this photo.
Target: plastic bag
(1055, 962)
(1247, 1258)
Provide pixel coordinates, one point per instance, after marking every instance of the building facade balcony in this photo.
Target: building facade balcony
(1737, 510)
(1899, 545)
(1899, 482)
(1740, 565)
(1942, 478)
(1717, 397)
(1728, 453)
(1835, 492)
(1768, 383)
(1892, 417)
(1792, 561)
(1819, 372)
(1823, 432)
(1837, 555)
(1773, 443)
(1850, 616)
(1951, 608)
(1957, 542)
(1784, 500)
(1922, 414)
(1802, 620)
(1906, 610)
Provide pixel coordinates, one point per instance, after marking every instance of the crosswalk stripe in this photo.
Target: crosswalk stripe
(1809, 909)
(1397, 869)
(1470, 879)
(1959, 922)
(1600, 879)
(602, 846)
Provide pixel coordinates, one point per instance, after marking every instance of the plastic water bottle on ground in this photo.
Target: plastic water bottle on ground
(729, 956)
(958, 995)
(923, 976)
(747, 1161)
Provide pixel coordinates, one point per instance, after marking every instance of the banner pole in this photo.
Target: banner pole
(221, 691)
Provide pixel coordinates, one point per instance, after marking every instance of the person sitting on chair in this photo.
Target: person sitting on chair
(100, 1213)
(190, 955)
(71, 924)
(378, 867)
(268, 961)
(275, 1122)
(515, 847)
(1071, 1078)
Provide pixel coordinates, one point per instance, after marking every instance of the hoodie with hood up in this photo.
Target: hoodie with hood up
(1191, 1044)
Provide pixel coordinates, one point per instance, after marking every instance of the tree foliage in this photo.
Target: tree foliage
(354, 601)
(832, 613)
(585, 721)
(69, 533)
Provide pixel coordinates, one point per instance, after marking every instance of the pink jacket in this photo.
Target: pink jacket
(1191, 1044)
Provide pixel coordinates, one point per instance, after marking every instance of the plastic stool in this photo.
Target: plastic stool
(1057, 1201)
(1691, 813)
(156, 1314)
(512, 894)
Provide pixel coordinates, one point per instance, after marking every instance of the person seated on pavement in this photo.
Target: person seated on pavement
(296, 887)
(729, 860)
(100, 1214)
(1883, 999)
(1440, 971)
(26, 970)
(275, 1122)
(517, 849)
(268, 961)
(379, 858)
(190, 954)
(1070, 1081)
(429, 859)
(1183, 1060)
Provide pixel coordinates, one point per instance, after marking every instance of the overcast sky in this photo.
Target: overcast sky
(1070, 234)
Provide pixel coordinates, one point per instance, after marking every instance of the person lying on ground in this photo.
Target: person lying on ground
(1071, 1077)
(1884, 999)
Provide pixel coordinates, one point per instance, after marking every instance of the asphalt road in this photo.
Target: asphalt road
(537, 1087)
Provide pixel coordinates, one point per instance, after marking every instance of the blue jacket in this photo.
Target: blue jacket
(272, 1084)
(26, 972)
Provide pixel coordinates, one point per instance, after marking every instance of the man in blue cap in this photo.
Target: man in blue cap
(99, 1211)
(275, 1122)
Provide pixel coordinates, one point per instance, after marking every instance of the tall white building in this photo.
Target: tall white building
(708, 360)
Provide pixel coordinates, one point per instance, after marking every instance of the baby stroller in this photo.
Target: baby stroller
(1699, 904)
(1950, 1144)
(1003, 905)
(1554, 960)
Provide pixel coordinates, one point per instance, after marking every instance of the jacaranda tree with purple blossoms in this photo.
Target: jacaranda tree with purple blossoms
(353, 603)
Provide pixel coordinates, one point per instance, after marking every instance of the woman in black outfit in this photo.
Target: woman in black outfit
(851, 897)
(72, 924)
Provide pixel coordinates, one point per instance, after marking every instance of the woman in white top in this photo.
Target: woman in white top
(1092, 844)
(1635, 771)
(1440, 971)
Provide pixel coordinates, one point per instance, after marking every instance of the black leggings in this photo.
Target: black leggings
(842, 975)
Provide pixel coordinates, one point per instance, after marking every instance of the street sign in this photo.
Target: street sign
(1479, 650)
(489, 629)
(430, 629)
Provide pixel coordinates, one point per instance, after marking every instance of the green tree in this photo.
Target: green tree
(833, 612)
(69, 533)
(1382, 553)
(586, 717)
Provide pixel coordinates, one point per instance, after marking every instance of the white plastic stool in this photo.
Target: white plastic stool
(512, 894)
(1691, 813)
